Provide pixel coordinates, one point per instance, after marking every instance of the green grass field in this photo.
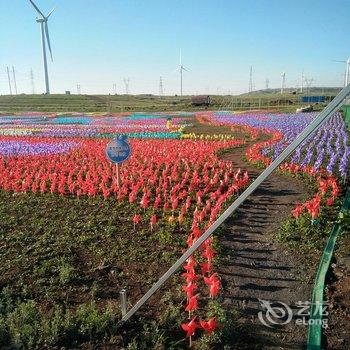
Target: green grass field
(147, 103)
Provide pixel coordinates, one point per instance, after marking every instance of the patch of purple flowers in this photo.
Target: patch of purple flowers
(24, 148)
(328, 147)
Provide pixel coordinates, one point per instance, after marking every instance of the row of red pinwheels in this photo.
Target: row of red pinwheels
(174, 179)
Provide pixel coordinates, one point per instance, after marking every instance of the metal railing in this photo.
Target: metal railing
(331, 108)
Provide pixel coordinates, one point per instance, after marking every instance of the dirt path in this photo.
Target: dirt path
(259, 268)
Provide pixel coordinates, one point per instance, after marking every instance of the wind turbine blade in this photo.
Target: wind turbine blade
(180, 58)
(339, 61)
(50, 12)
(48, 39)
(184, 68)
(36, 7)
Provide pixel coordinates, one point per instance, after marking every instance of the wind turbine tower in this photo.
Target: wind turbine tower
(9, 80)
(42, 20)
(181, 69)
(14, 79)
(283, 82)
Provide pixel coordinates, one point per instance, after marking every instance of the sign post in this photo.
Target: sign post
(118, 151)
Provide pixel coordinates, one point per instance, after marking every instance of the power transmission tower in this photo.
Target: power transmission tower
(161, 92)
(251, 79)
(14, 79)
(114, 89)
(32, 81)
(267, 82)
(302, 82)
(126, 82)
(9, 80)
(308, 83)
(283, 82)
(78, 89)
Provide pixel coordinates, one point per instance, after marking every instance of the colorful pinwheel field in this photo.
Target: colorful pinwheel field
(72, 238)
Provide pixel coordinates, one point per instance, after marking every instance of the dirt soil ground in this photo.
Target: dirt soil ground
(259, 268)
(337, 336)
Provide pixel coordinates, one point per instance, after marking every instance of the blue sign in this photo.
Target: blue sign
(118, 150)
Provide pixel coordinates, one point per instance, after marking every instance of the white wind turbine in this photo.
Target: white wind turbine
(44, 33)
(181, 68)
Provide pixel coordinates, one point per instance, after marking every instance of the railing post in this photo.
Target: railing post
(123, 302)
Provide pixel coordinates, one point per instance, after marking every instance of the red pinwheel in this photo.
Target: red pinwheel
(190, 276)
(192, 303)
(189, 267)
(190, 327)
(144, 202)
(330, 201)
(189, 289)
(214, 284)
(136, 219)
(297, 211)
(209, 326)
(206, 267)
(153, 221)
(180, 219)
(209, 252)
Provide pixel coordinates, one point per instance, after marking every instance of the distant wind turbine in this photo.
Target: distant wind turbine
(181, 68)
(44, 33)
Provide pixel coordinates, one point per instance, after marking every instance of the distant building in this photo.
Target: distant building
(201, 100)
(313, 99)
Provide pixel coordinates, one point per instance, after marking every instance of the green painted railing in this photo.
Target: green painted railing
(314, 341)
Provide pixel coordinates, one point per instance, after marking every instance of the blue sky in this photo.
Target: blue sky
(97, 43)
